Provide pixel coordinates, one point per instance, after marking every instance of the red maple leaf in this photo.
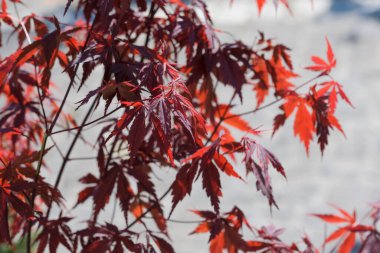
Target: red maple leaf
(206, 161)
(261, 3)
(321, 65)
(257, 160)
(303, 124)
(55, 233)
(348, 232)
(224, 231)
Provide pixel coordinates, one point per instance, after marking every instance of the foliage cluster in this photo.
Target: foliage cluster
(163, 64)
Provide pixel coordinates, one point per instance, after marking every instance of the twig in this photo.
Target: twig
(325, 236)
(222, 118)
(3, 162)
(68, 153)
(43, 145)
(89, 123)
(71, 81)
(152, 12)
(83, 158)
(95, 218)
(57, 146)
(34, 61)
(40, 95)
(59, 112)
(22, 23)
(149, 208)
(275, 101)
(180, 221)
(114, 210)
(41, 155)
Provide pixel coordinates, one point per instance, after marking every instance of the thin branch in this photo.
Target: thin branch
(68, 153)
(59, 112)
(110, 153)
(152, 12)
(73, 134)
(94, 157)
(82, 158)
(63, 100)
(72, 80)
(3, 162)
(180, 221)
(114, 210)
(89, 123)
(40, 95)
(34, 61)
(275, 101)
(222, 118)
(325, 237)
(36, 176)
(38, 169)
(57, 146)
(43, 145)
(149, 208)
(255, 110)
(22, 23)
(185, 221)
(215, 98)
(95, 218)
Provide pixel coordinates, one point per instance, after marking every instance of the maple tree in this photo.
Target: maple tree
(162, 65)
